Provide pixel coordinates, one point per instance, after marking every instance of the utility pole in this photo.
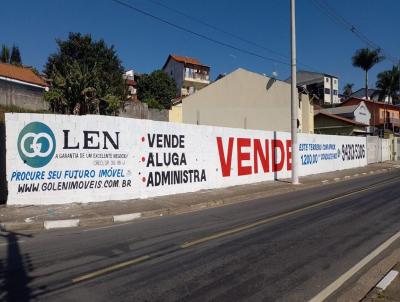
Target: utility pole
(294, 95)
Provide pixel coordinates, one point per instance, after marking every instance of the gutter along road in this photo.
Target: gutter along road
(288, 247)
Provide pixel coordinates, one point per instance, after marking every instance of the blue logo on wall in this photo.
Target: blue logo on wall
(36, 144)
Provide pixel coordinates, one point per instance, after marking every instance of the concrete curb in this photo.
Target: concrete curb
(58, 224)
(385, 282)
(121, 218)
(126, 217)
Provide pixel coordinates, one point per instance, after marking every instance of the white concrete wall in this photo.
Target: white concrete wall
(378, 149)
(386, 149)
(53, 159)
(244, 99)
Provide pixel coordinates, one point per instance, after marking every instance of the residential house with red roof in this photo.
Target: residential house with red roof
(20, 86)
(189, 74)
(384, 116)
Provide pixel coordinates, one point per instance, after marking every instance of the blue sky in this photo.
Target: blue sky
(143, 44)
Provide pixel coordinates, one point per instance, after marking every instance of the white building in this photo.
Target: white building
(189, 74)
(325, 86)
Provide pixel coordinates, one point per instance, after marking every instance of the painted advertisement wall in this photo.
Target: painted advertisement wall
(58, 159)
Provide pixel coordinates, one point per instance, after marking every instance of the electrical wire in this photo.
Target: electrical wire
(341, 21)
(225, 32)
(218, 29)
(199, 35)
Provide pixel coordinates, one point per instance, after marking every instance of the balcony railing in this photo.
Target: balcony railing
(390, 121)
(197, 76)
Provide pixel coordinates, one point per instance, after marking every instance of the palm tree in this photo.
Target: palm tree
(348, 89)
(365, 59)
(388, 83)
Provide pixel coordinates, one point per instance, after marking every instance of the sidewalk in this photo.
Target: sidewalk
(104, 213)
(388, 289)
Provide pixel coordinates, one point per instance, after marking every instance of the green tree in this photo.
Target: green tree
(114, 104)
(15, 57)
(57, 101)
(365, 59)
(5, 54)
(153, 103)
(84, 71)
(157, 89)
(348, 89)
(388, 83)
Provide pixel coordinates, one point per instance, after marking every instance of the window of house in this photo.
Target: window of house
(334, 92)
(334, 81)
(327, 91)
(327, 80)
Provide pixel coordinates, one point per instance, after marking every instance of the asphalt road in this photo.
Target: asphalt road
(250, 251)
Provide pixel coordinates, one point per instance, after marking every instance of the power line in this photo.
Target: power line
(218, 29)
(223, 31)
(341, 21)
(199, 35)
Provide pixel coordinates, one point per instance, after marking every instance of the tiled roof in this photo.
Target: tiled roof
(372, 103)
(360, 93)
(184, 60)
(349, 121)
(341, 110)
(20, 73)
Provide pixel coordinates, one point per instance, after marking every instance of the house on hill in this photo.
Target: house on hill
(323, 85)
(189, 74)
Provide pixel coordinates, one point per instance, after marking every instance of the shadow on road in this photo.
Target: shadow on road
(14, 271)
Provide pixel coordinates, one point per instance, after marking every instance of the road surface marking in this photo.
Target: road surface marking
(355, 269)
(138, 260)
(270, 219)
(110, 269)
(107, 226)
